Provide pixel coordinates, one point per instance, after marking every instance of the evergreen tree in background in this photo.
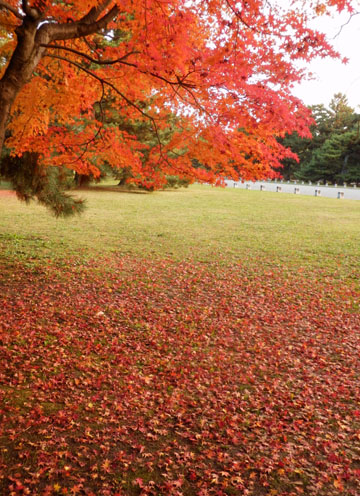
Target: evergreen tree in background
(333, 154)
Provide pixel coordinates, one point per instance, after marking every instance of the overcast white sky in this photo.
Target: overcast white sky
(333, 76)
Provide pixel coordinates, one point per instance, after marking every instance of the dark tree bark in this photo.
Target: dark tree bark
(82, 180)
(33, 34)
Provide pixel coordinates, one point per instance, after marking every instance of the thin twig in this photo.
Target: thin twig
(346, 23)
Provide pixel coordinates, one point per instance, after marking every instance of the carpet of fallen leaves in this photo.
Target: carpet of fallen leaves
(127, 377)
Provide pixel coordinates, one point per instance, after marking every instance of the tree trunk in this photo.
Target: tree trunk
(5, 107)
(33, 36)
(82, 180)
(24, 60)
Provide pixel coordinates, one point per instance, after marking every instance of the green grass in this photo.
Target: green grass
(5, 185)
(199, 223)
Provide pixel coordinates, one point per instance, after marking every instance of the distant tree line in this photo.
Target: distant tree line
(333, 154)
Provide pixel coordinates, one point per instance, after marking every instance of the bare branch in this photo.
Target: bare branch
(10, 8)
(346, 23)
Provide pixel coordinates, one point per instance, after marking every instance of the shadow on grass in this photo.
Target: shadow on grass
(121, 189)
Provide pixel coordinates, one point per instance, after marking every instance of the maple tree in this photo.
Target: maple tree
(225, 68)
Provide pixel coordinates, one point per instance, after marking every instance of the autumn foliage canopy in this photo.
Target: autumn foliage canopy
(218, 73)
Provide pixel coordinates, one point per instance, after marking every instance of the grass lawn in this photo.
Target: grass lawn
(194, 342)
(199, 223)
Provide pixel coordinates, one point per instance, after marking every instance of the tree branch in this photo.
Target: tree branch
(179, 81)
(78, 29)
(346, 23)
(11, 9)
(94, 13)
(102, 81)
(107, 83)
(25, 7)
(90, 59)
(33, 12)
(238, 14)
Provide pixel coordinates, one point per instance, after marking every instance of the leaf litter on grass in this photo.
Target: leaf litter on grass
(150, 377)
